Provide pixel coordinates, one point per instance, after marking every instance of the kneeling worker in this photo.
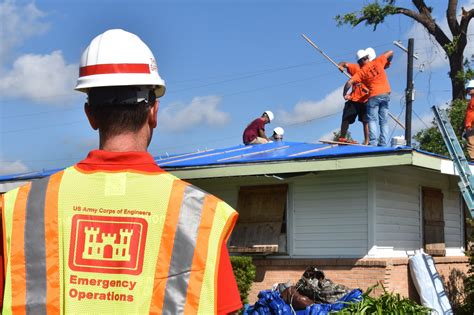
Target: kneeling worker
(115, 234)
(255, 131)
(277, 134)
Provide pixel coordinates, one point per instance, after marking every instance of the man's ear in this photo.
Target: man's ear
(153, 115)
(91, 118)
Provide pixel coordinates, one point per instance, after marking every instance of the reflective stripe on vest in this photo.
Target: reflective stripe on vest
(35, 257)
(185, 232)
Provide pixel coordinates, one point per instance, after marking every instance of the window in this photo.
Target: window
(433, 222)
(261, 227)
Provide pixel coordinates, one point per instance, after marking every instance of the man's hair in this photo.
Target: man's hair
(120, 109)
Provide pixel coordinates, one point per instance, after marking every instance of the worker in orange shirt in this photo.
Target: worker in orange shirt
(372, 74)
(116, 234)
(469, 121)
(356, 105)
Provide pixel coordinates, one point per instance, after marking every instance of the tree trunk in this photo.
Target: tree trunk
(456, 66)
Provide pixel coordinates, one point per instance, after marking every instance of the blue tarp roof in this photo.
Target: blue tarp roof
(276, 151)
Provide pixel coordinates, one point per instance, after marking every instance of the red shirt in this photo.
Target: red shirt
(373, 75)
(359, 92)
(251, 132)
(469, 120)
(228, 297)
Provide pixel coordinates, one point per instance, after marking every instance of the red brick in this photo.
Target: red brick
(362, 273)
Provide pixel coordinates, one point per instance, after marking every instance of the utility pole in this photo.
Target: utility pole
(409, 93)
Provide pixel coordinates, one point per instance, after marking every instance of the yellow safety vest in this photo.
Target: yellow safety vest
(106, 242)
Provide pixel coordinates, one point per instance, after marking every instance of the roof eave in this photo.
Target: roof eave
(308, 165)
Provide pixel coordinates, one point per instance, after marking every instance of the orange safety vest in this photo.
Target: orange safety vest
(125, 242)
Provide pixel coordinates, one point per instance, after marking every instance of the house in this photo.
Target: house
(356, 212)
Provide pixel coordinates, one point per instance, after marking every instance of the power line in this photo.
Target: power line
(42, 113)
(42, 127)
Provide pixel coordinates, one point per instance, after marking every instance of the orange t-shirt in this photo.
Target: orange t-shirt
(359, 92)
(373, 75)
(469, 120)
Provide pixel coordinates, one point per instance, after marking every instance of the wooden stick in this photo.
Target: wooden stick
(313, 150)
(347, 74)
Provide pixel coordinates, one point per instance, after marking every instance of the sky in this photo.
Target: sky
(224, 63)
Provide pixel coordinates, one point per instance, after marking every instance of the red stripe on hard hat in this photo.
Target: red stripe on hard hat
(114, 68)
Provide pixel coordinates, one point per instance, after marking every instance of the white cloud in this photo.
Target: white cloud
(8, 167)
(421, 122)
(18, 23)
(429, 52)
(40, 78)
(201, 110)
(304, 111)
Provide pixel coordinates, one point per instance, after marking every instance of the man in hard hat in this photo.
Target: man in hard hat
(254, 133)
(115, 234)
(356, 105)
(278, 133)
(469, 121)
(372, 74)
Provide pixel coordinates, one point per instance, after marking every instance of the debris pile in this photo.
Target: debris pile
(313, 294)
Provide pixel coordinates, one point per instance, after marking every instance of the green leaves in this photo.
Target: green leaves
(244, 272)
(373, 14)
(430, 139)
(387, 303)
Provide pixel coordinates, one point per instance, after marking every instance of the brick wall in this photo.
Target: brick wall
(357, 273)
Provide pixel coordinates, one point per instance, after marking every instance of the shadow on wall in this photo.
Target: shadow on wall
(454, 286)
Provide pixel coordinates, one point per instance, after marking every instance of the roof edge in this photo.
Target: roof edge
(281, 167)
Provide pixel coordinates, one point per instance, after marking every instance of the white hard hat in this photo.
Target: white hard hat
(279, 131)
(118, 58)
(361, 53)
(269, 114)
(371, 52)
(470, 85)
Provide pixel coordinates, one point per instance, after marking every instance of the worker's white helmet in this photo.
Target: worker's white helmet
(371, 52)
(118, 58)
(269, 114)
(470, 85)
(279, 131)
(361, 53)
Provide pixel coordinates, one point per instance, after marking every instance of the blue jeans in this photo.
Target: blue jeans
(377, 111)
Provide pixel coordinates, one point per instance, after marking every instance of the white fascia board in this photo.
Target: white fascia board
(294, 166)
(447, 167)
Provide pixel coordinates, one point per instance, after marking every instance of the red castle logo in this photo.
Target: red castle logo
(107, 244)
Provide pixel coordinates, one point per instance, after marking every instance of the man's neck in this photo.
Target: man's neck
(124, 143)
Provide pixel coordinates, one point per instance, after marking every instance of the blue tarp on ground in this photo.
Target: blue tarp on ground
(270, 303)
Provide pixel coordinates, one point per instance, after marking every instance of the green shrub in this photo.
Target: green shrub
(387, 303)
(467, 308)
(244, 271)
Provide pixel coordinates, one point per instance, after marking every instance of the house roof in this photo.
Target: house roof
(270, 152)
(278, 157)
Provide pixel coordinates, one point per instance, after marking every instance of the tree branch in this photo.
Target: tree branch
(465, 19)
(416, 16)
(451, 17)
(422, 7)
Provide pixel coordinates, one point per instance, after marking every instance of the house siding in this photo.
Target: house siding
(398, 208)
(353, 214)
(330, 215)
